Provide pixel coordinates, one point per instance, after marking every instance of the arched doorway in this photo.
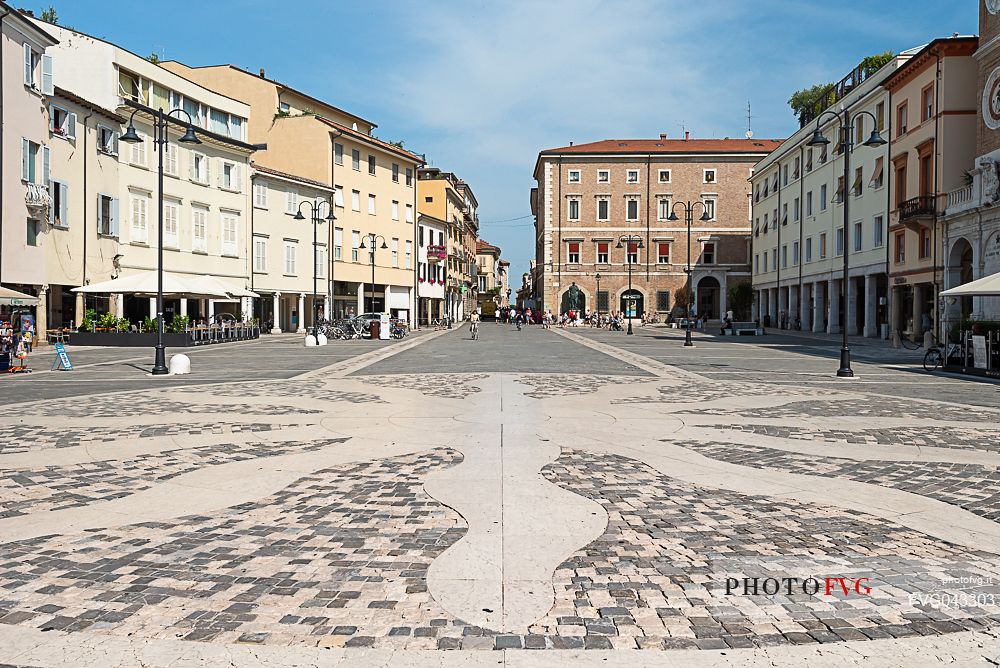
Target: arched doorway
(708, 297)
(573, 299)
(632, 304)
(960, 273)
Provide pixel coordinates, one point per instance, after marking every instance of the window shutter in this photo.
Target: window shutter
(29, 79)
(114, 143)
(237, 178)
(52, 209)
(71, 126)
(25, 157)
(114, 217)
(45, 165)
(47, 88)
(64, 204)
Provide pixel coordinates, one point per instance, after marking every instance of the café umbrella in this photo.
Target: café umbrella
(982, 287)
(145, 283)
(10, 297)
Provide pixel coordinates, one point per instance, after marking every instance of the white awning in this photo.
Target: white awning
(145, 283)
(216, 284)
(986, 286)
(10, 297)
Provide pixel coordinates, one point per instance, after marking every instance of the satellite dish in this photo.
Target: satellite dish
(749, 134)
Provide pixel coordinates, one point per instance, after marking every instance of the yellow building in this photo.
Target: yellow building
(373, 181)
(442, 197)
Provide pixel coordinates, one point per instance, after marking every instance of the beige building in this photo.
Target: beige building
(446, 198)
(206, 191)
(934, 103)
(589, 196)
(374, 183)
(24, 144)
(466, 261)
(490, 286)
(81, 237)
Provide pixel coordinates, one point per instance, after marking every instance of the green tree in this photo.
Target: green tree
(153, 58)
(740, 300)
(807, 102)
(50, 16)
(872, 64)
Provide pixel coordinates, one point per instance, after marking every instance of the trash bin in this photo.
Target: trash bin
(373, 329)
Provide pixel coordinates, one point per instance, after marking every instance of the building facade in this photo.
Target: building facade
(589, 196)
(374, 183)
(488, 269)
(432, 256)
(971, 238)
(443, 197)
(933, 100)
(798, 241)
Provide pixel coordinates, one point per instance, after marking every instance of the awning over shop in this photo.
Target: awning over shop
(216, 284)
(145, 283)
(983, 287)
(10, 297)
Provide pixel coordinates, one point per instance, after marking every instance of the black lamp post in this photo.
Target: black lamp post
(847, 146)
(689, 219)
(627, 240)
(160, 139)
(314, 211)
(598, 299)
(372, 238)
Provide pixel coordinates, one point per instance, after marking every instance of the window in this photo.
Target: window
(840, 241)
(784, 214)
(260, 195)
(394, 249)
(409, 213)
(925, 243)
(355, 242)
(199, 228)
(409, 254)
(709, 175)
(859, 130)
(199, 167)
(603, 176)
(602, 209)
(482, 283)
(900, 254)
(766, 227)
(756, 263)
(857, 189)
(37, 71)
(900, 182)
(356, 160)
(880, 116)
(632, 176)
(632, 256)
(901, 120)
(395, 210)
(784, 175)
(171, 230)
(284, 108)
(137, 153)
(230, 179)
(355, 200)
(574, 209)
(796, 210)
(664, 176)
(809, 249)
(602, 252)
(409, 176)
(290, 250)
(338, 243)
(839, 196)
(371, 165)
(395, 173)
(795, 253)
(822, 154)
(338, 154)
(573, 252)
(218, 121)
(291, 202)
(765, 261)
(107, 216)
(420, 236)
(632, 209)
(338, 196)
(31, 232)
(708, 253)
(774, 258)
(809, 203)
(194, 109)
(320, 261)
(927, 103)
(822, 197)
(822, 245)
(784, 256)
(371, 205)
(230, 222)
(663, 253)
(573, 176)
(663, 208)
(809, 160)
(140, 223)
(107, 140)
(710, 207)
(878, 179)
(877, 232)
(61, 122)
(259, 255)
(798, 165)
(662, 300)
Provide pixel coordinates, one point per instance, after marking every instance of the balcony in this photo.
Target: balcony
(916, 209)
(436, 254)
(36, 196)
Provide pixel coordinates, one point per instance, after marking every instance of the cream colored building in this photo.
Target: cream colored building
(81, 237)
(432, 255)
(280, 248)
(441, 198)
(206, 186)
(798, 244)
(374, 183)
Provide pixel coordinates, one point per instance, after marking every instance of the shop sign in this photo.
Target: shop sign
(979, 352)
(62, 361)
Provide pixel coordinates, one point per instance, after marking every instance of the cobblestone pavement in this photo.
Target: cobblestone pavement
(360, 510)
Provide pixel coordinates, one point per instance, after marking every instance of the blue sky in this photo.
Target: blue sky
(481, 87)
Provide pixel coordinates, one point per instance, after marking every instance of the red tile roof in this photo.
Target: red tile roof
(486, 247)
(762, 146)
(372, 140)
(293, 177)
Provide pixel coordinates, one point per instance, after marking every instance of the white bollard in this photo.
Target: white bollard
(321, 339)
(180, 364)
(310, 341)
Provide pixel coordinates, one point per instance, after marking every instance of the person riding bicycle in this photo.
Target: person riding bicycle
(474, 324)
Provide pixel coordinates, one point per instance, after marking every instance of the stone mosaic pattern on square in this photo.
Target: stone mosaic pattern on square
(958, 438)
(568, 385)
(444, 385)
(874, 407)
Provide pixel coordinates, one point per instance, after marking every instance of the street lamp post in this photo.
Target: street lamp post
(689, 219)
(598, 298)
(314, 212)
(372, 238)
(160, 140)
(627, 240)
(847, 146)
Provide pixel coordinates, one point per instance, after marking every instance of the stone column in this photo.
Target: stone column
(361, 299)
(851, 313)
(805, 292)
(917, 311)
(793, 305)
(119, 305)
(211, 308)
(819, 307)
(81, 305)
(152, 309)
(833, 310)
(184, 306)
(42, 315)
(276, 325)
(302, 314)
(871, 326)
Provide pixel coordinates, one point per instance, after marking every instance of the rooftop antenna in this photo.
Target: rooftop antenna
(749, 117)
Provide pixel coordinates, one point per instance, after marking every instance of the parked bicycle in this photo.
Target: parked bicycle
(937, 356)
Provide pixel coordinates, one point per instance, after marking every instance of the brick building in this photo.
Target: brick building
(589, 196)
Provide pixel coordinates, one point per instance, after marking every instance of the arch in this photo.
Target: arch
(708, 297)
(564, 305)
(960, 271)
(632, 303)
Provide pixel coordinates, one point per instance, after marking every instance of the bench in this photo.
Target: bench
(743, 329)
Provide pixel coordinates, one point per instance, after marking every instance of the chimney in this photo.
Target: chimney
(663, 135)
(262, 73)
(687, 135)
(571, 143)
